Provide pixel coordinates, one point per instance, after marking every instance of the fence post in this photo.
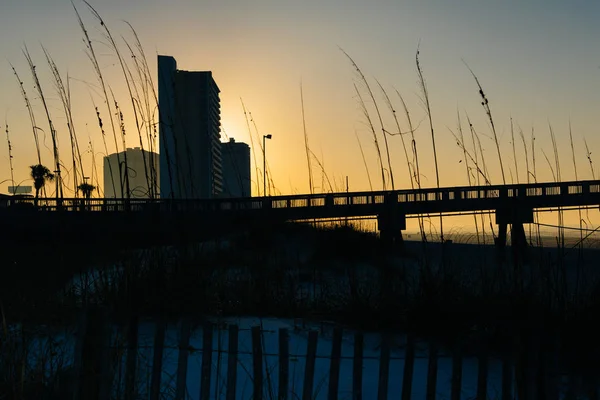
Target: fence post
(182, 359)
(132, 352)
(284, 363)
(456, 372)
(507, 379)
(334, 370)
(309, 372)
(207, 342)
(409, 363)
(78, 356)
(432, 370)
(532, 364)
(384, 367)
(257, 363)
(94, 383)
(232, 358)
(482, 373)
(357, 367)
(159, 345)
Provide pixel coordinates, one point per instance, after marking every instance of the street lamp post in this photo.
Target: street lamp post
(269, 136)
(58, 188)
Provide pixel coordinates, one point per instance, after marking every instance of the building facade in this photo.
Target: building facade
(236, 169)
(142, 170)
(189, 132)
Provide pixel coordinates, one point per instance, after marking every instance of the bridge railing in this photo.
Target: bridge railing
(426, 195)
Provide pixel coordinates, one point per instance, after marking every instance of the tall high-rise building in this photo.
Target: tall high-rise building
(236, 169)
(189, 132)
(142, 171)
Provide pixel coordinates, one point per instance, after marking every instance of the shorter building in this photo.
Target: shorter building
(142, 171)
(236, 169)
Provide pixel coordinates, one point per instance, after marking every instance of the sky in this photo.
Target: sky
(538, 62)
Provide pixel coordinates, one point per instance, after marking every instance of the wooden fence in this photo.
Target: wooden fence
(92, 365)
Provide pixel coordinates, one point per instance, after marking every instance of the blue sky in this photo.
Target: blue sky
(537, 60)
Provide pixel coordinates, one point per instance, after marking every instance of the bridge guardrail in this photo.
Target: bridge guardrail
(426, 195)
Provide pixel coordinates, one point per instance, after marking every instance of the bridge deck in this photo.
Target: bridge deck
(141, 222)
(418, 201)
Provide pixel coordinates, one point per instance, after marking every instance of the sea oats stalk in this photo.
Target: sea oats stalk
(126, 191)
(94, 173)
(53, 134)
(324, 175)
(514, 148)
(412, 174)
(390, 106)
(481, 172)
(475, 161)
(588, 155)
(146, 83)
(488, 111)
(64, 94)
(103, 135)
(528, 173)
(115, 48)
(138, 109)
(91, 53)
(365, 111)
(580, 245)
(415, 162)
(256, 168)
(560, 229)
(522, 136)
(427, 105)
(306, 148)
(534, 175)
(376, 106)
(31, 114)
(263, 174)
(270, 183)
(474, 158)
(10, 156)
(362, 153)
(467, 169)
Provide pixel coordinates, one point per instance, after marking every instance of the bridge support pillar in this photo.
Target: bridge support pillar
(516, 217)
(390, 225)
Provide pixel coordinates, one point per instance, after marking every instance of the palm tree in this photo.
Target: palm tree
(86, 189)
(40, 174)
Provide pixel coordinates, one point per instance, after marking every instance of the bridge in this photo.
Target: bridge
(145, 221)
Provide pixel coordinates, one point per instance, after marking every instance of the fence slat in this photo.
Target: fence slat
(357, 366)
(334, 370)
(94, 383)
(309, 372)
(207, 345)
(456, 373)
(132, 352)
(552, 357)
(507, 379)
(284, 363)
(409, 364)
(182, 359)
(78, 356)
(257, 363)
(532, 365)
(482, 374)
(157, 359)
(384, 367)
(232, 358)
(432, 370)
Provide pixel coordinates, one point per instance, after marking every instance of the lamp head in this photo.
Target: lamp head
(269, 136)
